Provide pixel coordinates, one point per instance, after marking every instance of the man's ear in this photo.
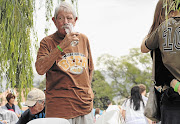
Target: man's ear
(54, 20)
(76, 19)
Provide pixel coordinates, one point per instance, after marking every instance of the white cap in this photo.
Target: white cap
(33, 96)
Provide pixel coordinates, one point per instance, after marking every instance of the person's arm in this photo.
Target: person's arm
(18, 110)
(46, 58)
(150, 42)
(124, 114)
(124, 107)
(18, 115)
(144, 49)
(25, 117)
(173, 84)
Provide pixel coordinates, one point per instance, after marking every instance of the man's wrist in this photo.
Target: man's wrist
(176, 87)
(59, 48)
(173, 83)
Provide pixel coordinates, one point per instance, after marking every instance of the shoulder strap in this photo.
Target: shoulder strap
(153, 68)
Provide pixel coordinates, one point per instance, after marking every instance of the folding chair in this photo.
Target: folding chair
(49, 121)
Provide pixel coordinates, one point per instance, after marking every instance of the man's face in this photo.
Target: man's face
(36, 108)
(62, 19)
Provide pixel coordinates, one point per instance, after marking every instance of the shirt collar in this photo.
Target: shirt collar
(58, 37)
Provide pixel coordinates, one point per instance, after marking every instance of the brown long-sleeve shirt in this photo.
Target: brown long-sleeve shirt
(68, 77)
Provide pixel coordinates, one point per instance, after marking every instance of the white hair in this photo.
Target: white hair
(65, 7)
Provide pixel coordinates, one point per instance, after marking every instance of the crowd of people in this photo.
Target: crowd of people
(132, 109)
(12, 114)
(65, 57)
(130, 112)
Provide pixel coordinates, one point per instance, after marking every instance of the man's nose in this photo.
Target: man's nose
(65, 21)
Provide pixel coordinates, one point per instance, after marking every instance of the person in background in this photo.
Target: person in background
(65, 57)
(162, 76)
(10, 104)
(120, 108)
(97, 114)
(166, 38)
(7, 117)
(133, 108)
(143, 91)
(143, 94)
(112, 107)
(36, 103)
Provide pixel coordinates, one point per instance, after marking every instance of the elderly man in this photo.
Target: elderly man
(36, 103)
(65, 57)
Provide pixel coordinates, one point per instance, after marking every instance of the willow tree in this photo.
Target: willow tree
(16, 27)
(16, 21)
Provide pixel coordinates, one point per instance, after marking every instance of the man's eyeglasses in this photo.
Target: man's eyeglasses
(62, 19)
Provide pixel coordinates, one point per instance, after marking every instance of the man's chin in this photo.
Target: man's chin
(32, 112)
(63, 32)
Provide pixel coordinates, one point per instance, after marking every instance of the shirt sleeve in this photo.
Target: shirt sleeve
(90, 63)
(152, 41)
(46, 57)
(25, 117)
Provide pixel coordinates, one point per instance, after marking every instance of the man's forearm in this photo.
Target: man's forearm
(144, 49)
(44, 63)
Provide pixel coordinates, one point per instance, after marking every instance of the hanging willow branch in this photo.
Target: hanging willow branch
(170, 5)
(16, 21)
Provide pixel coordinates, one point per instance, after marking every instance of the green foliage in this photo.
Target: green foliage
(16, 21)
(102, 91)
(48, 13)
(126, 71)
(42, 84)
(170, 5)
